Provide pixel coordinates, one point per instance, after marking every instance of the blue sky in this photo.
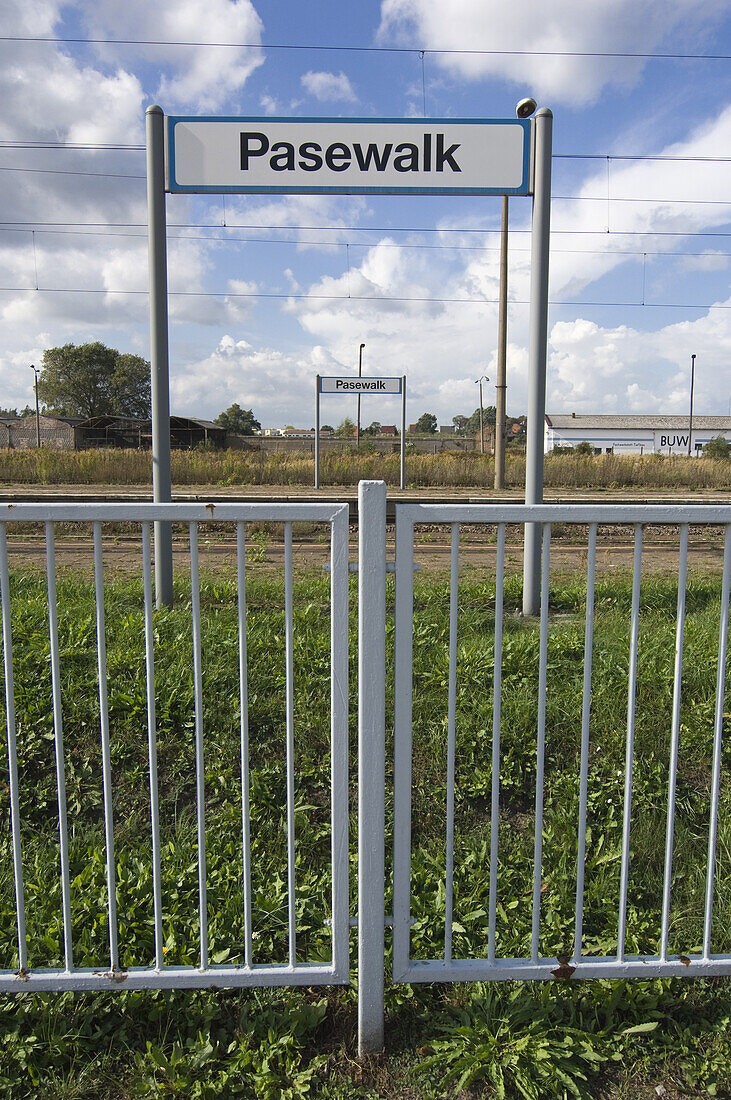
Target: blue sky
(274, 289)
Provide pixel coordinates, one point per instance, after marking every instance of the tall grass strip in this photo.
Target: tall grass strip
(497, 681)
(101, 650)
(58, 742)
(717, 743)
(541, 743)
(674, 742)
(152, 742)
(11, 724)
(585, 729)
(451, 720)
(289, 661)
(244, 729)
(630, 740)
(200, 773)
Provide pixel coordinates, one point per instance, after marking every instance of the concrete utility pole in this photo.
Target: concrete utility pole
(38, 413)
(502, 347)
(478, 382)
(357, 421)
(690, 419)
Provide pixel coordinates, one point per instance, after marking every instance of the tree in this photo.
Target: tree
(584, 448)
(427, 422)
(238, 421)
(374, 428)
(94, 380)
(718, 447)
(473, 423)
(345, 428)
(460, 424)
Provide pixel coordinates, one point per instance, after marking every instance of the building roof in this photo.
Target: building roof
(210, 425)
(587, 421)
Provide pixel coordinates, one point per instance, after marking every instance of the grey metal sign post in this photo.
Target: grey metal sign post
(159, 363)
(538, 341)
(360, 385)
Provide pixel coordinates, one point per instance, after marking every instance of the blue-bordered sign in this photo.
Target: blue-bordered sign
(429, 156)
(349, 384)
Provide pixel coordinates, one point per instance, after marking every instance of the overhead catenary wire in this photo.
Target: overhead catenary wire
(555, 198)
(649, 55)
(409, 245)
(287, 295)
(80, 146)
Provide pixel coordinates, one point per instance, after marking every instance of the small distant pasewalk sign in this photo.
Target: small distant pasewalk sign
(352, 156)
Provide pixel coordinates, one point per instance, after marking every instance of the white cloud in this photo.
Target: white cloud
(564, 27)
(328, 86)
(265, 379)
(199, 76)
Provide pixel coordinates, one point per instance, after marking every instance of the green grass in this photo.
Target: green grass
(535, 1039)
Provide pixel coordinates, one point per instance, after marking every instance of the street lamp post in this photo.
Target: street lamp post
(38, 414)
(690, 419)
(478, 382)
(360, 369)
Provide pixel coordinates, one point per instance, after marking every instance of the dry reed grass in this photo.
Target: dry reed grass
(449, 469)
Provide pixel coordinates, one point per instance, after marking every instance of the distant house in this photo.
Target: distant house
(59, 433)
(388, 429)
(655, 433)
(73, 433)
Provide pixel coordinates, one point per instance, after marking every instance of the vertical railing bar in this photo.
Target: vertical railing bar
(674, 742)
(585, 724)
(200, 775)
(101, 650)
(541, 742)
(339, 630)
(152, 743)
(717, 743)
(245, 764)
(451, 742)
(289, 663)
(630, 742)
(372, 761)
(403, 741)
(496, 718)
(58, 738)
(12, 749)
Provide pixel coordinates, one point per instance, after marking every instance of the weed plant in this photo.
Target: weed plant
(583, 1039)
(347, 466)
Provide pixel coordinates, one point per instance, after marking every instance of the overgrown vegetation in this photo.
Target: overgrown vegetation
(586, 1039)
(347, 467)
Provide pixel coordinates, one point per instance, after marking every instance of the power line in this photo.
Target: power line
(629, 54)
(79, 146)
(361, 298)
(375, 229)
(555, 198)
(230, 239)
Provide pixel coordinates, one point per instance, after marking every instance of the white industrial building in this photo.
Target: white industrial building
(629, 434)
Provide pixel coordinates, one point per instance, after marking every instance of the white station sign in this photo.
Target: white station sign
(349, 156)
(360, 385)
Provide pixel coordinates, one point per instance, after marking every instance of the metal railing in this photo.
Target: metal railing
(485, 959)
(581, 962)
(156, 974)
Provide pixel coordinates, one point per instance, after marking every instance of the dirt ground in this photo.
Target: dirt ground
(265, 543)
(478, 550)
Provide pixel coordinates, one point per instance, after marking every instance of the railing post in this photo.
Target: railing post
(371, 760)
